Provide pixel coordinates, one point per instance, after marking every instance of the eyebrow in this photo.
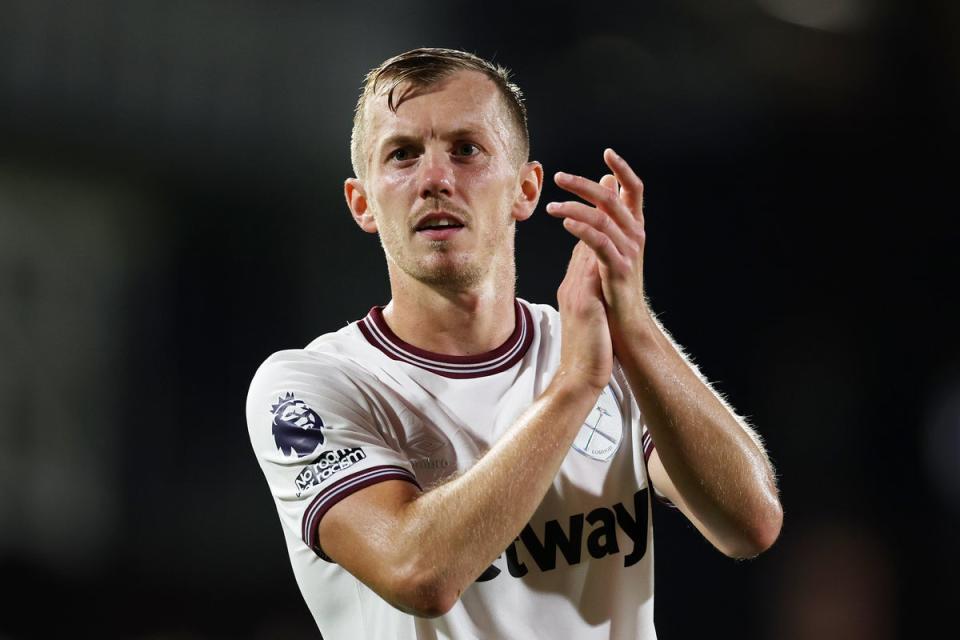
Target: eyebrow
(397, 141)
(403, 140)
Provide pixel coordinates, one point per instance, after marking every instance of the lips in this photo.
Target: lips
(439, 225)
(438, 220)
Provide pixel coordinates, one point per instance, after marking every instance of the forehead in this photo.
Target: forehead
(463, 100)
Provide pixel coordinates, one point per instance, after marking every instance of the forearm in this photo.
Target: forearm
(712, 457)
(467, 522)
(717, 468)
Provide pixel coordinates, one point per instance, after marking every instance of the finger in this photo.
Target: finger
(609, 181)
(631, 187)
(600, 243)
(578, 257)
(597, 219)
(583, 263)
(601, 197)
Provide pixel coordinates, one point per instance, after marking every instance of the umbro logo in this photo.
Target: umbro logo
(425, 445)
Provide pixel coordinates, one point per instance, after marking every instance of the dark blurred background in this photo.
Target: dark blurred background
(171, 212)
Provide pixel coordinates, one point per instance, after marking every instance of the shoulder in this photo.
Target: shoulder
(330, 366)
(332, 355)
(293, 364)
(298, 396)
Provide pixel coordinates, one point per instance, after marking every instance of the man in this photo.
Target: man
(464, 464)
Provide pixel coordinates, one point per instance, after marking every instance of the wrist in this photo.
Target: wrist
(569, 387)
(637, 324)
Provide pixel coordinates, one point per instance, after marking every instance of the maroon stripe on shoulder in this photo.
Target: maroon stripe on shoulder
(339, 490)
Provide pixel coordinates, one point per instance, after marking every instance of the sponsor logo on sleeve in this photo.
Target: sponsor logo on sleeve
(327, 465)
(296, 427)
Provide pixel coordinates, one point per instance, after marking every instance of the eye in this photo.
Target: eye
(400, 154)
(467, 149)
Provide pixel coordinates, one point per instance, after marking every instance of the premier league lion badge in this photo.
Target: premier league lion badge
(602, 431)
(296, 427)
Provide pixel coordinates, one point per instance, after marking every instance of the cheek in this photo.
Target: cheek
(391, 190)
(389, 203)
(488, 183)
(395, 180)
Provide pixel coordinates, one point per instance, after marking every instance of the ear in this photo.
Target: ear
(531, 185)
(359, 207)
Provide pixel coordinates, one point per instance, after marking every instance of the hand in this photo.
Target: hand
(614, 229)
(586, 348)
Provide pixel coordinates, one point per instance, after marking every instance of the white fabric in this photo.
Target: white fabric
(586, 557)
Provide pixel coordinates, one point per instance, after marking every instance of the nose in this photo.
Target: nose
(436, 175)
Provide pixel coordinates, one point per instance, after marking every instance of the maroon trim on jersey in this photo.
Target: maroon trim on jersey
(648, 447)
(374, 328)
(339, 490)
(647, 442)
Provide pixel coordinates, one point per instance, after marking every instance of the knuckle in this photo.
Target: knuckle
(602, 220)
(604, 244)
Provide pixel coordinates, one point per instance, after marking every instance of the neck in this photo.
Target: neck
(452, 322)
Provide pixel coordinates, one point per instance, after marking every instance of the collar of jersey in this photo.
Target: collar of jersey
(374, 328)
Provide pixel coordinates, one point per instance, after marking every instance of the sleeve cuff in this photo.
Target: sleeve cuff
(648, 447)
(340, 490)
(647, 442)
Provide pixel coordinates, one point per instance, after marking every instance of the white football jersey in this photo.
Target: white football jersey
(360, 406)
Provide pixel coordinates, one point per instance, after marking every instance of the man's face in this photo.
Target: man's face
(442, 179)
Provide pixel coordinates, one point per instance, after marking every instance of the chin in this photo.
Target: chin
(449, 274)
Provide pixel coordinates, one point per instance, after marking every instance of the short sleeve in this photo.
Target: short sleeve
(648, 447)
(319, 436)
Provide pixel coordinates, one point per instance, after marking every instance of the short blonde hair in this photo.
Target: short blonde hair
(422, 68)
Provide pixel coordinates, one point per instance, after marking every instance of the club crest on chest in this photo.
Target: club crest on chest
(601, 433)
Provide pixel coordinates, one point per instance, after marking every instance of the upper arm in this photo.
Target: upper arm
(340, 480)
(362, 533)
(662, 484)
(319, 440)
(729, 541)
(373, 535)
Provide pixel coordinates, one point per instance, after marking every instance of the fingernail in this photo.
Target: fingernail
(560, 175)
(552, 206)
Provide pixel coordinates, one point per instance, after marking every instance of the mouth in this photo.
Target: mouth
(439, 225)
